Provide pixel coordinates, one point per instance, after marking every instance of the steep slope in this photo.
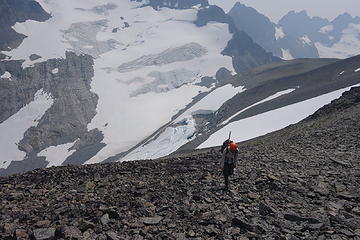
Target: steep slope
(270, 97)
(280, 102)
(113, 74)
(297, 183)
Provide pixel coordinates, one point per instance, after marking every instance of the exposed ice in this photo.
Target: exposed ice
(82, 37)
(166, 81)
(177, 54)
(167, 142)
(12, 130)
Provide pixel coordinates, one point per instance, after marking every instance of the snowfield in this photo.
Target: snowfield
(270, 121)
(183, 127)
(12, 130)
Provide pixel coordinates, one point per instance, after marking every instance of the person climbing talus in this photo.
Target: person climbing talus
(228, 161)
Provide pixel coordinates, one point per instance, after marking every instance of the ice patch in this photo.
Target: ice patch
(12, 130)
(348, 45)
(167, 142)
(178, 54)
(276, 95)
(55, 71)
(264, 123)
(279, 33)
(286, 55)
(56, 155)
(82, 37)
(326, 29)
(166, 81)
(6, 75)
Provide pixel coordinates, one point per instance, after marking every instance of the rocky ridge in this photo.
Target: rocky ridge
(298, 183)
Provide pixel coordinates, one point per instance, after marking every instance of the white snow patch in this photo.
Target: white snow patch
(6, 75)
(305, 40)
(56, 155)
(326, 29)
(55, 71)
(167, 142)
(279, 33)
(12, 130)
(357, 70)
(276, 95)
(264, 123)
(286, 55)
(341, 73)
(348, 46)
(213, 101)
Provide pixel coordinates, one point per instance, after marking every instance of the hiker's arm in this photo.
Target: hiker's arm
(222, 159)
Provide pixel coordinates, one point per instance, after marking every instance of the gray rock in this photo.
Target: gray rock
(151, 220)
(44, 233)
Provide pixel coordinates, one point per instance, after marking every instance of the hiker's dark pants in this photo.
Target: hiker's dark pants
(228, 171)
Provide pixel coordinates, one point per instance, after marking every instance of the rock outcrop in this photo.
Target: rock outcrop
(13, 11)
(66, 120)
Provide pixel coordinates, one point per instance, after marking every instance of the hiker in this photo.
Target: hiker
(228, 161)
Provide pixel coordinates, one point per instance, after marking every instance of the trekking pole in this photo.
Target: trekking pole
(229, 136)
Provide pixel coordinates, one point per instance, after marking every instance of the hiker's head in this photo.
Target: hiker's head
(233, 147)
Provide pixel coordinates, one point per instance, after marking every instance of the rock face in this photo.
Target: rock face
(66, 120)
(286, 186)
(245, 53)
(13, 11)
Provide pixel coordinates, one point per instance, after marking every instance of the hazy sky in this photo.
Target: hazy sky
(275, 9)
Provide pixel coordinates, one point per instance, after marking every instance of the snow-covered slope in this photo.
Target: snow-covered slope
(148, 64)
(270, 121)
(13, 129)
